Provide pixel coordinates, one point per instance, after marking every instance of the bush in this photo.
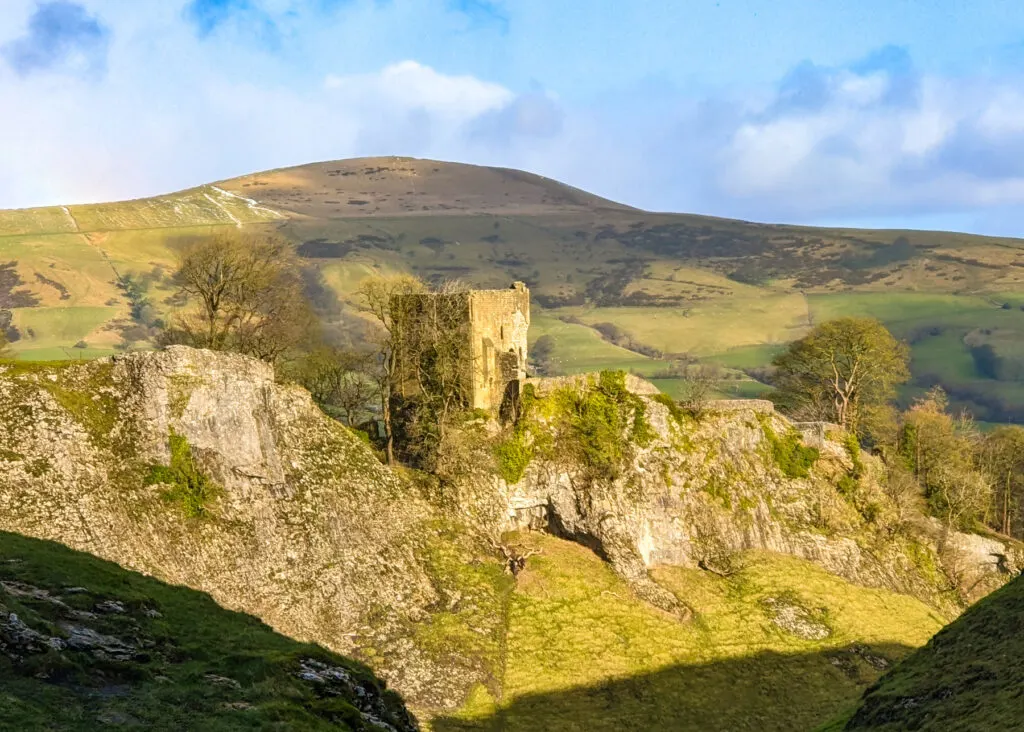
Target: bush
(852, 446)
(514, 455)
(513, 458)
(187, 485)
(598, 420)
(675, 411)
(597, 427)
(793, 457)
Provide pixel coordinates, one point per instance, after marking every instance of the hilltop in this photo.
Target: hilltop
(392, 186)
(669, 285)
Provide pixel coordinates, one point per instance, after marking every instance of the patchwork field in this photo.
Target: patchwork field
(675, 285)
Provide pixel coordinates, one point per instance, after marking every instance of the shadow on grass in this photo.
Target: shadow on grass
(970, 675)
(759, 693)
(86, 644)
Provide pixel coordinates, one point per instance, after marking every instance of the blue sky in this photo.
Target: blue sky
(897, 113)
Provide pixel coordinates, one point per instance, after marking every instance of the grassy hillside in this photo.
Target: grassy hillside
(970, 676)
(732, 292)
(87, 645)
(582, 653)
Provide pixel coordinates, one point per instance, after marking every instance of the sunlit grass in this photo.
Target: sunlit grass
(582, 653)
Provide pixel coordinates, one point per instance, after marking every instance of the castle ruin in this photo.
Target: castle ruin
(484, 336)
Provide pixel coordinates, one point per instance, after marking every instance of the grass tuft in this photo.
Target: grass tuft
(187, 485)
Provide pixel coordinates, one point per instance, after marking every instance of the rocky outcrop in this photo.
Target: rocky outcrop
(201, 470)
(701, 491)
(297, 522)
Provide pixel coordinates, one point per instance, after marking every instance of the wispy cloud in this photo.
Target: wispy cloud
(61, 36)
(876, 137)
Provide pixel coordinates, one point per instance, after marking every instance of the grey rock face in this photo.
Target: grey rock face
(705, 490)
(310, 532)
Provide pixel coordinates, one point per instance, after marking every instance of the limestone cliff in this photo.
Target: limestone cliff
(696, 492)
(198, 468)
(300, 525)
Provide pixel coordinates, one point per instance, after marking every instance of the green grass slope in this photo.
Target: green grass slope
(581, 653)
(86, 645)
(969, 677)
(728, 291)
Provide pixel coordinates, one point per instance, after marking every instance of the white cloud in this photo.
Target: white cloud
(411, 85)
(864, 142)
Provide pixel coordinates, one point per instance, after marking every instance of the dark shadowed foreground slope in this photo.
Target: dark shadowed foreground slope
(970, 676)
(85, 644)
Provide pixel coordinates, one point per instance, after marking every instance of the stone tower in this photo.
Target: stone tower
(489, 328)
(498, 324)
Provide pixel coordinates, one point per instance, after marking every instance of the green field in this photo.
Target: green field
(723, 291)
(707, 328)
(583, 655)
(580, 349)
(47, 329)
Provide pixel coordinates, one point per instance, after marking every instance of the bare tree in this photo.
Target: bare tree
(437, 364)
(341, 381)
(515, 556)
(699, 384)
(903, 492)
(376, 295)
(1002, 456)
(249, 295)
(965, 495)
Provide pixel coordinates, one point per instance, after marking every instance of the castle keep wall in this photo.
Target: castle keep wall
(490, 325)
(499, 321)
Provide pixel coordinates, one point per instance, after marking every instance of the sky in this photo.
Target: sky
(880, 113)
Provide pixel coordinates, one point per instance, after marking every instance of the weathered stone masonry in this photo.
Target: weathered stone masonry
(495, 325)
(498, 325)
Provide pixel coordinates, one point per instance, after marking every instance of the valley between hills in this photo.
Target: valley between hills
(188, 541)
(614, 286)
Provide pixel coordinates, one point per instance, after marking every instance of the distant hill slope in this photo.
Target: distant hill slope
(88, 645)
(395, 186)
(970, 676)
(728, 291)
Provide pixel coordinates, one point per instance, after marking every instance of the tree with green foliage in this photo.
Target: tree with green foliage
(248, 295)
(839, 370)
(941, 452)
(1002, 456)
